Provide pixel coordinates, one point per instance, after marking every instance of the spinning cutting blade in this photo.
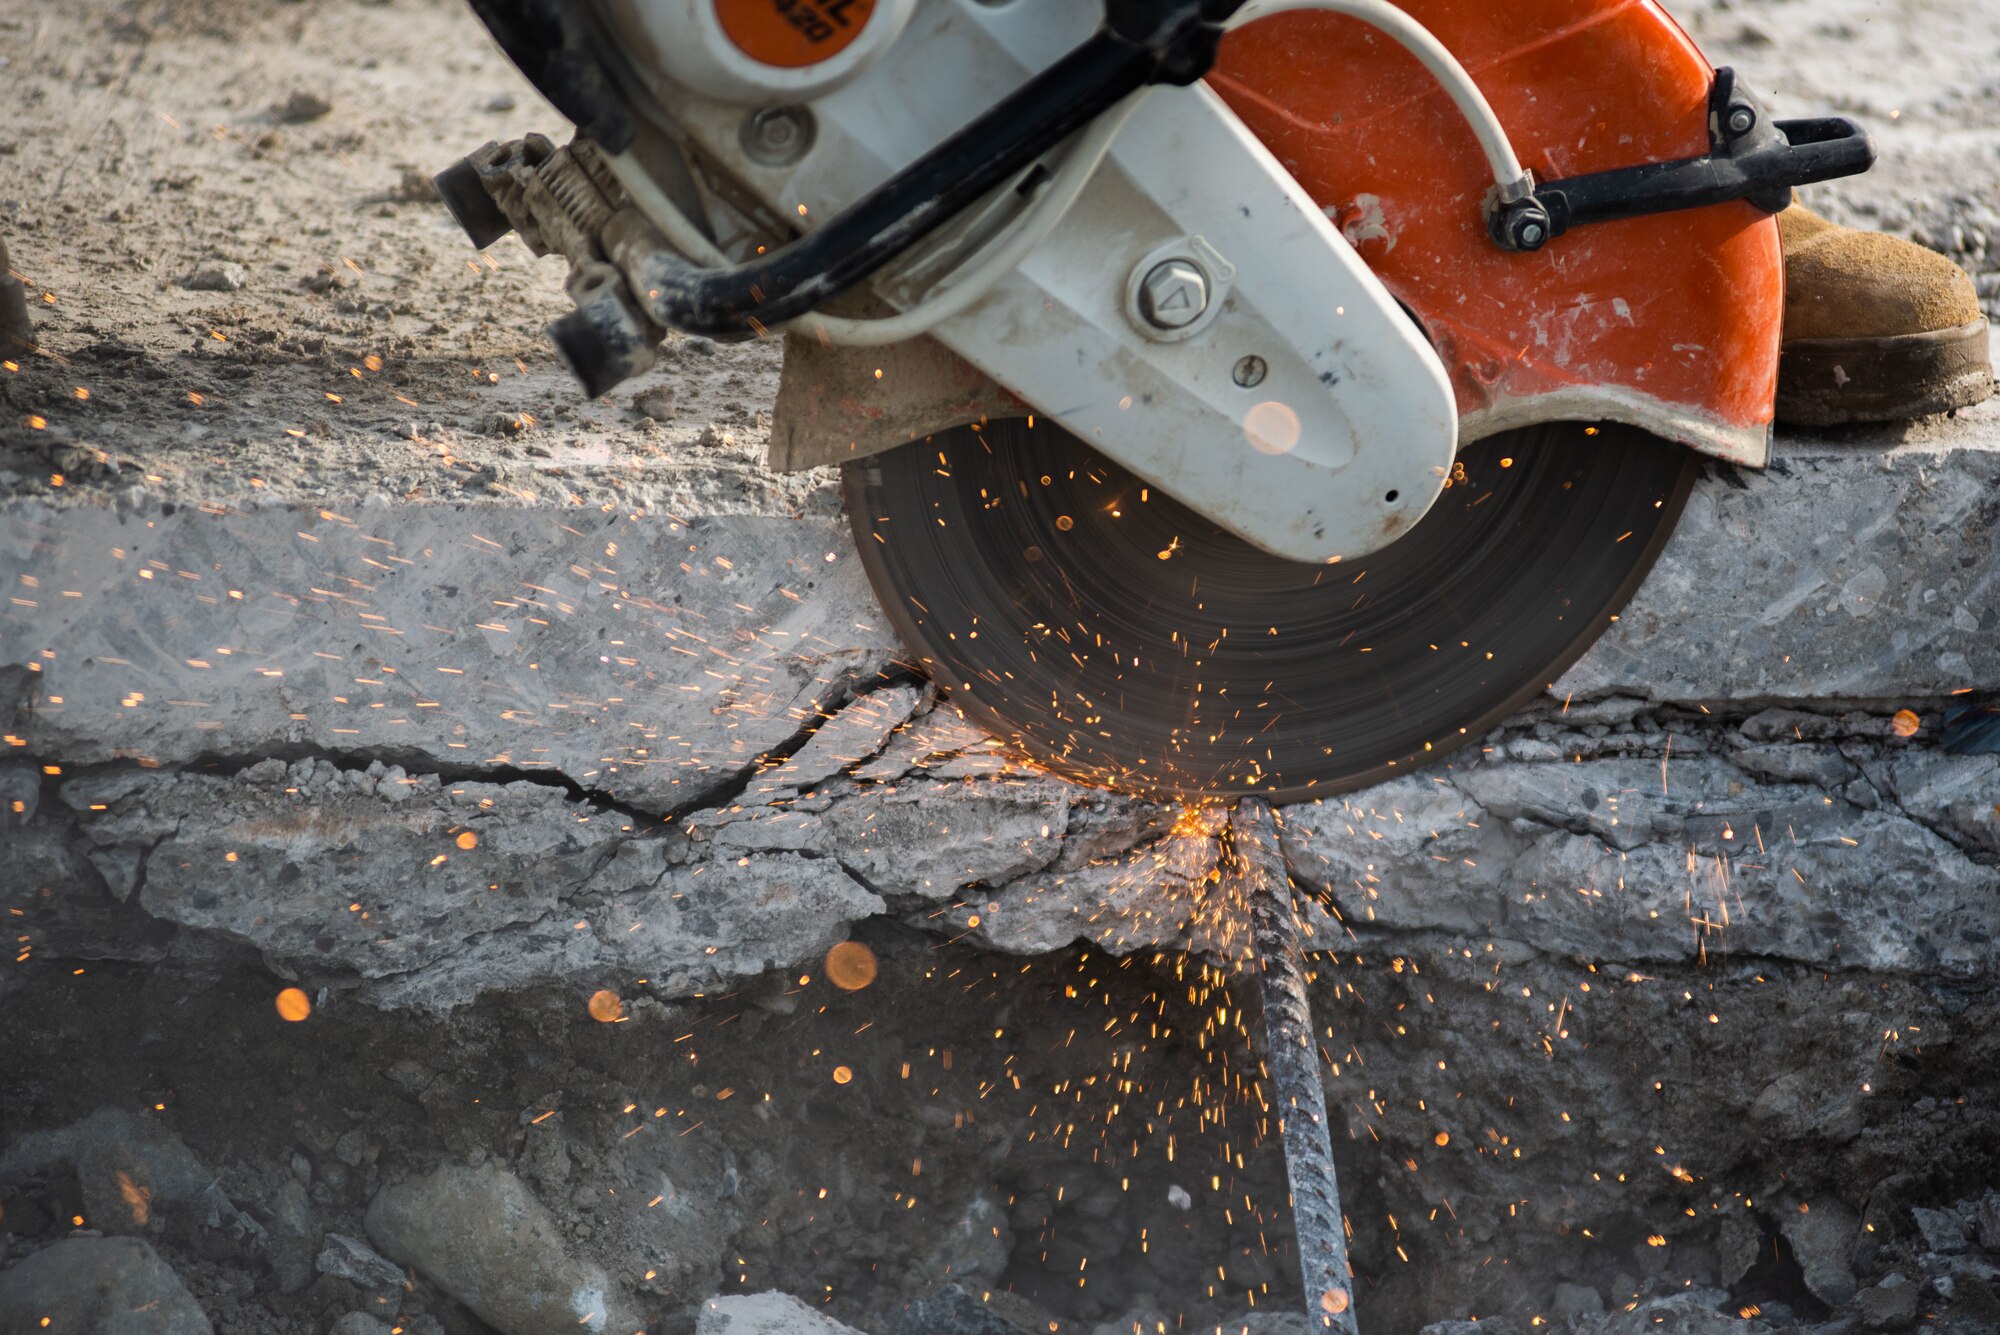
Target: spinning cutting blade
(1114, 636)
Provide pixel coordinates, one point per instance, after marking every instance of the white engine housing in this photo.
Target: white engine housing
(1338, 447)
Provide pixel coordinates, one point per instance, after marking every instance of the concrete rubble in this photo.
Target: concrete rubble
(107, 1284)
(1639, 853)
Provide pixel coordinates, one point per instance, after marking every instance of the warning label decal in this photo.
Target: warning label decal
(792, 34)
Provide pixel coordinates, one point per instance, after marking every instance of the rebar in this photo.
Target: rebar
(1296, 1092)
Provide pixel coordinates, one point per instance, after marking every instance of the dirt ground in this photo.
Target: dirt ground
(368, 351)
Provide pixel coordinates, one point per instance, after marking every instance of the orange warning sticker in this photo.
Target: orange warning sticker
(792, 34)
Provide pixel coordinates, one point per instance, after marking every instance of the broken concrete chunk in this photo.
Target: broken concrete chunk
(20, 793)
(135, 1175)
(304, 106)
(855, 734)
(765, 1314)
(1944, 1230)
(357, 1323)
(913, 841)
(119, 1286)
(1988, 1220)
(482, 1236)
(356, 1262)
(1821, 764)
(216, 276)
(954, 1310)
(1695, 1312)
(476, 859)
(1822, 1239)
(1805, 877)
(656, 402)
(1142, 900)
(921, 744)
(686, 928)
(1889, 1305)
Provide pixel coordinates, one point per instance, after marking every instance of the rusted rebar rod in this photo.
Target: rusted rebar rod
(1296, 1092)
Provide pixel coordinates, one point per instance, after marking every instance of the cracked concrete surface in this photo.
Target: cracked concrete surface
(352, 653)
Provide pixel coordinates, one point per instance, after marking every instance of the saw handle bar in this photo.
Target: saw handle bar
(1141, 43)
(1753, 158)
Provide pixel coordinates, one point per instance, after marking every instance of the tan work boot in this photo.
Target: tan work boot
(1877, 329)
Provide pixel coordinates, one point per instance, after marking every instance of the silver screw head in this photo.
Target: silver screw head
(778, 136)
(1741, 119)
(1174, 294)
(1250, 372)
(1532, 234)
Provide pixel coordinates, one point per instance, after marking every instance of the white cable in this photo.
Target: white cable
(1444, 67)
(1086, 153)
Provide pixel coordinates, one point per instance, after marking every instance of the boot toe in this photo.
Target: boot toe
(1845, 284)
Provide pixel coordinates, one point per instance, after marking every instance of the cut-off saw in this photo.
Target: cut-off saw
(1231, 398)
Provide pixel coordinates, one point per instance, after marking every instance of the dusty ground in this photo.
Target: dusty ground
(1508, 1149)
(368, 350)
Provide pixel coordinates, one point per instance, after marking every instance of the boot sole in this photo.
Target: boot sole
(1838, 381)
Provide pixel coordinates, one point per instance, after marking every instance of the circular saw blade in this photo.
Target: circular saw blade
(1116, 637)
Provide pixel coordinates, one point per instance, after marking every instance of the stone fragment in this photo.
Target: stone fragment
(1142, 900)
(216, 276)
(1988, 1221)
(107, 1286)
(850, 737)
(1815, 764)
(923, 839)
(656, 402)
(979, 1244)
(291, 1234)
(1786, 725)
(954, 1310)
(481, 1236)
(1551, 855)
(357, 1323)
(765, 1314)
(20, 793)
(303, 106)
(1576, 1300)
(1812, 1101)
(136, 1176)
(356, 1262)
(1889, 1305)
(1693, 1312)
(1822, 1239)
(1943, 1230)
(922, 744)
